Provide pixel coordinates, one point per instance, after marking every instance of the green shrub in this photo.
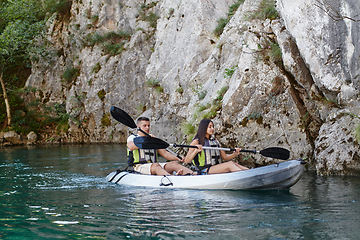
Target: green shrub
(96, 68)
(105, 121)
(112, 42)
(179, 90)
(266, 10)
(201, 108)
(220, 95)
(117, 36)
(31, 118)
(152, 18)
(59, 117)
(255, 116)
(270, 52)
(70, 74)
(229, 71)
(211, 113)
(114, 48)
(147, 15)
(234, 7)
(276, 54)
(188, 128)
(91, 39)
(305, 119)
(155, 83)
(62, 117)
(63, 7)
(101, 94)
(202, 94)
(115, 42)
(141, 108)
(220, 26)
(223, 21)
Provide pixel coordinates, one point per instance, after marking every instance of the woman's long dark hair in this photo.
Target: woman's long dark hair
(201, 132)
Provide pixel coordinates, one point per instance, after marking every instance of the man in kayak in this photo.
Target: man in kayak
(209, 161)
(145, 160)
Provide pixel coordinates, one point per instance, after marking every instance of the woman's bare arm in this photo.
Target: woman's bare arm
(193, 151)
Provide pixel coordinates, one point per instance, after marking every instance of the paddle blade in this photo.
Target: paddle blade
(150, 143)
(121, 116)
(276, 152)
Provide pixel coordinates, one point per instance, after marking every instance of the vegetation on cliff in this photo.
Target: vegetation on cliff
(22, 26)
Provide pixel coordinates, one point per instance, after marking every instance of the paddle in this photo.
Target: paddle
(121, 116)
(156, 143)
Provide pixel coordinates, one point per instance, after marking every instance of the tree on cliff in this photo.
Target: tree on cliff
(21, 23)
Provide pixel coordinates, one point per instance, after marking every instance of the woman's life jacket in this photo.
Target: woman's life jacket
(207, 157)
(141, 156)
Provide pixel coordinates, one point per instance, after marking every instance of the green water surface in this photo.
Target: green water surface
(60, 192)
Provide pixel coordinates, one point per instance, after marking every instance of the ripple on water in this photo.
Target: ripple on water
(55, 197)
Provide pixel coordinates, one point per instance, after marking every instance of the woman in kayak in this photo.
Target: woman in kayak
(209, 161)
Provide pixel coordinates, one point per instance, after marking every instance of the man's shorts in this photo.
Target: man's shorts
(145, 168)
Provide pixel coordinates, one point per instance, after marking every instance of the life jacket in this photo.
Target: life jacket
(208, 157)
(141, 156)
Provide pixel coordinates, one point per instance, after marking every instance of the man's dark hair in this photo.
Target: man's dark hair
(142, 119)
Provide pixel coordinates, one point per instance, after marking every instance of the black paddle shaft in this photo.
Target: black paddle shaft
(249, 151)
(225, 149)
(155, 143)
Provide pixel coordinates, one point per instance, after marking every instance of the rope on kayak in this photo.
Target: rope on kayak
(117, 172)
(121, 177)
(166, 184)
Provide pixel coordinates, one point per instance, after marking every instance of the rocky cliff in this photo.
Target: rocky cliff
(291, 81)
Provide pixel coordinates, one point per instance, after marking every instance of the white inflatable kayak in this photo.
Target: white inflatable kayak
(276, 176)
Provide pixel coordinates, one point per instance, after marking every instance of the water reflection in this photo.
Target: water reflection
(171, 212)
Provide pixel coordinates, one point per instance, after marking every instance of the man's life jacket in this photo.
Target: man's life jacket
(207, 157)
(141, 156)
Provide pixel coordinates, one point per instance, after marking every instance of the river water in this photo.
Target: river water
(60, 192)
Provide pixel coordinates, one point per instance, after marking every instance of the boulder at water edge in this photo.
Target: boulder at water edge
(13, 137)
(32, 138)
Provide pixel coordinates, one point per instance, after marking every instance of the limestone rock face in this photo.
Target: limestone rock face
(326, 35)
(336, 149)
(328, 42)
(286, 82)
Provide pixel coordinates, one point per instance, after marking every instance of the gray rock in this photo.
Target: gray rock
(13, 137)
(32, 138)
